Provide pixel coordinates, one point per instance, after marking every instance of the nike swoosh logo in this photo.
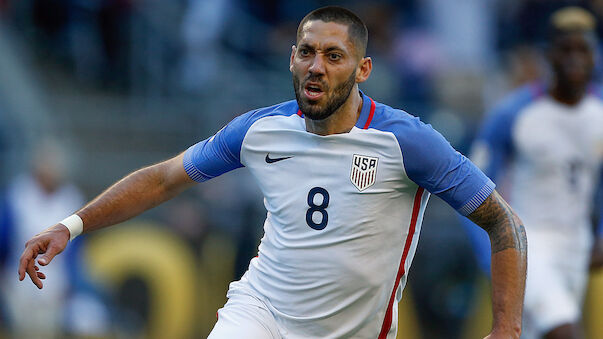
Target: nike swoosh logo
(270, 160)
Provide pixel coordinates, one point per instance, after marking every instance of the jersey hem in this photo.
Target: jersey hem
(190, 169)
(477, 199)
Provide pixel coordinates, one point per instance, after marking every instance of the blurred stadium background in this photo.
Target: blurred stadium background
(114, 85)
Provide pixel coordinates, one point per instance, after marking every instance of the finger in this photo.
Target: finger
(41, 275)
(28, 256)
(36, 268)
(51, 251)
(33, 276)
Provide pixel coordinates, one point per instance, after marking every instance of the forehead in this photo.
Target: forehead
(325, 34)
(575, 38)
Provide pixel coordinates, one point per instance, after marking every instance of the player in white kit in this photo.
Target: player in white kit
(346, 181)
(550, 141)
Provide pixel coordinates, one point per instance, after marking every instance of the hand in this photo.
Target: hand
(596, 259)
(50, 242)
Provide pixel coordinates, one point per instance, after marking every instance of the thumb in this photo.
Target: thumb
(51, 252)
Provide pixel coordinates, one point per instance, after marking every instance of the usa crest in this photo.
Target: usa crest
(364, 171)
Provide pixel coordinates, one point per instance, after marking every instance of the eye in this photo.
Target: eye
(304, 52)
(334, 56)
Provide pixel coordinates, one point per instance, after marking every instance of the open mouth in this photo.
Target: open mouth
(313, 91)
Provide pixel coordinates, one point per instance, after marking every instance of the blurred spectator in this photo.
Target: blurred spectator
(454, 25)
(202, 27)
(34, 198)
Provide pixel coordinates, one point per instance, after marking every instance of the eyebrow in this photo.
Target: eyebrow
(329, 49)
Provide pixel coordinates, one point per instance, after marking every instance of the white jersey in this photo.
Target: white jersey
(554, 154)
(344, 211)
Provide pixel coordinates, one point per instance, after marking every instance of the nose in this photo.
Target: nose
(317, 66)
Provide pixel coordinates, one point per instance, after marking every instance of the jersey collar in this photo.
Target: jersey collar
(367, 112)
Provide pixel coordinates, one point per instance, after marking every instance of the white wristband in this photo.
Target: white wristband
(74, 224)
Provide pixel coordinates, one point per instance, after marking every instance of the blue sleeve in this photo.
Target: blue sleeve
(432, 163)
(219, 154)
(493, 144)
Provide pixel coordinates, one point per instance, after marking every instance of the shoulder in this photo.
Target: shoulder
(235, 131)
(394, 120)
(415, 139)
(596, 90)
(516, 101)
(407, 128)
(500, 120)
(286, 108)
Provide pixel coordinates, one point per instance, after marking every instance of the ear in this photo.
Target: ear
(365, 66)
(293, 49)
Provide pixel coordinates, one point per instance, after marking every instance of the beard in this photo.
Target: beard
(314, 111)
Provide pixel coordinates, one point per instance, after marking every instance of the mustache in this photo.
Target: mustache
(315, 78)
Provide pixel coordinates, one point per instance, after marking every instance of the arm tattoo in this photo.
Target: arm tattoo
(502, 224)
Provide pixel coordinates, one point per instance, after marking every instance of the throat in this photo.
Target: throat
(341, 121)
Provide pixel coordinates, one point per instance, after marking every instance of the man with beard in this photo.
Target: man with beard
(346, 181)
(549, 137)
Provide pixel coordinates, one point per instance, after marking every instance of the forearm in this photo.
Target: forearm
(508, 284)
(134, 194)
(509, 255)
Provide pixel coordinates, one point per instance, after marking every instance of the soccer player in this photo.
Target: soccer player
(346, 181)
(549, 139)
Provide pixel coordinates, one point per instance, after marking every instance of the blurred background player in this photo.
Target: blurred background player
(67, 306)
(549, 139)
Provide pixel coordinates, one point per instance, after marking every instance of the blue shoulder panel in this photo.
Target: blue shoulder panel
(432, 163)
(495, 131)
(222, 152)
(596, 90)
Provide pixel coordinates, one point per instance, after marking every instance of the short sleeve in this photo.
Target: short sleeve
(432, 163)
(220, 153)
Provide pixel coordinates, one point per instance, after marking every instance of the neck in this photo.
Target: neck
(566, 93)
(342, 120)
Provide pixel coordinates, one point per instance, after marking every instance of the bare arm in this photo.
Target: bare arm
(509, 254)
(132, 195)
(136, 193)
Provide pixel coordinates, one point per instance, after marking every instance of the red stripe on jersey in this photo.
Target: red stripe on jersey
(370, 117)
(387, 322)
(299, 112)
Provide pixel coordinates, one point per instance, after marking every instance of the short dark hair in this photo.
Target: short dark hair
(357, 31)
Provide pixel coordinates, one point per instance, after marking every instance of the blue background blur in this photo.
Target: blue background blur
(120, 84)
